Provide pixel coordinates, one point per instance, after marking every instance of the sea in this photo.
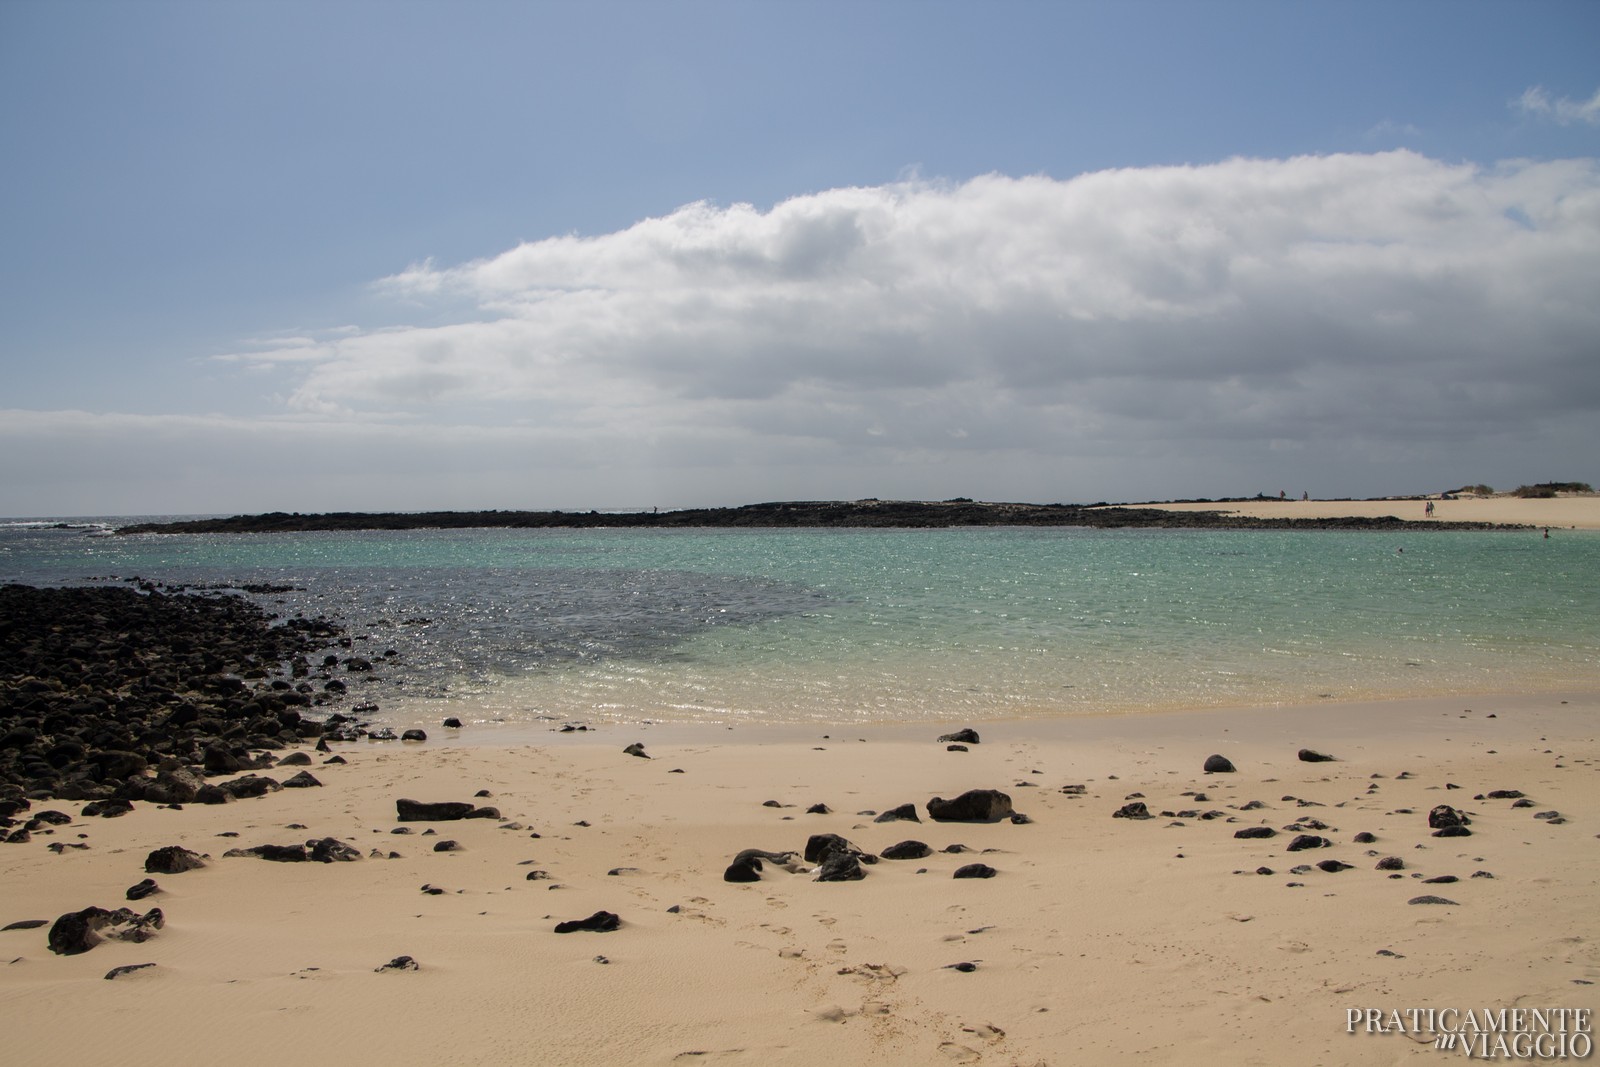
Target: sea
(855, 626)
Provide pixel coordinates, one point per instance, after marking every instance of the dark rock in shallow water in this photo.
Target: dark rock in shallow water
(173, 859)
(442, 811)
(599, 922)
(907, 850)
(975, 805)
(80, 931)
(1218, 765)
(975, 870)
(965, 736)
(452, 723)
(906, 812)
(414, 735)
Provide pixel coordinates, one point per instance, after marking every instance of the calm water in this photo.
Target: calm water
(855, 625)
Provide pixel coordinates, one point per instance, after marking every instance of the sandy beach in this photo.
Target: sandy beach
(1567, 511)
(1098, 939)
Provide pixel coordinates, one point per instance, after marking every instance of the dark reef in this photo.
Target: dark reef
(887, 514)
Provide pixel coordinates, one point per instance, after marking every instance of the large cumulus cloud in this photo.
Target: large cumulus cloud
(1351, 324)
(1386, 294)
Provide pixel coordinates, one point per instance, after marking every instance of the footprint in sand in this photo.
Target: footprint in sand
(959, 1053)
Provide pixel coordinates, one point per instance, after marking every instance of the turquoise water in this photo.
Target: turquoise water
(870, 625)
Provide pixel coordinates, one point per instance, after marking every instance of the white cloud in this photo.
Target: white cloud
(1257, 294)
(1118, 334)
(1536, 101)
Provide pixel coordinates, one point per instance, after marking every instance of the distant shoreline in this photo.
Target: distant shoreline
(856, 514)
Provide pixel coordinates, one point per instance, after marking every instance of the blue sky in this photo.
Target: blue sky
(413, 255)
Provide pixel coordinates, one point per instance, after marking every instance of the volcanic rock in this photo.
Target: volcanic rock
(975, 805)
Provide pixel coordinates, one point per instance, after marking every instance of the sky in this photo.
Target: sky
(344, 255)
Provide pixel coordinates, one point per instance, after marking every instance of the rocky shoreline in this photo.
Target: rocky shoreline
(116, 694)
(882, 514)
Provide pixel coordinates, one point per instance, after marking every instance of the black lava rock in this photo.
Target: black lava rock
(975, 870)
(975, 805)
(600, 922)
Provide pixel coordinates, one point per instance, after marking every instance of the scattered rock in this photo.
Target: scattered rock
(80, 931)
(975, 870)
(965, 736)
(1311, 755)
(414, 735)
(399, 963)
(636, 749)
(746, 870)
(1334, 866)
(331, 850)
(126, 969)
(303, 780)
(144, 889)
(1256, 831)
(975, 805)
(1444, 817)
(442, 811)
(907, 850)
(1135, 810)
(600, 922)
(1391, 863)
(172, 859)
(273, 853)
(1218, 765)
(841, 867)
(906, 812)
(1430, 899)
(1305, 841)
